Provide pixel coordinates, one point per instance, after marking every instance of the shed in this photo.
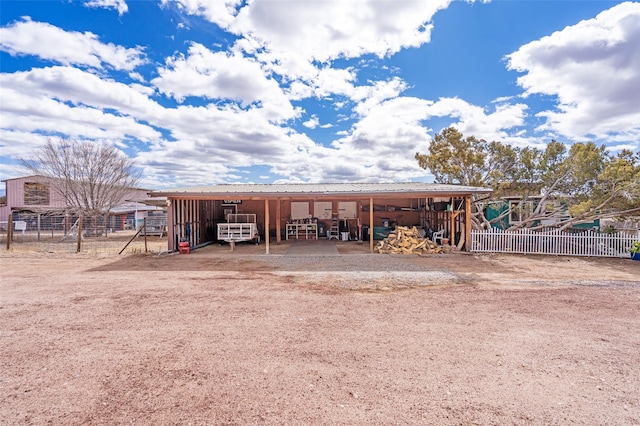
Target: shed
(281, 209)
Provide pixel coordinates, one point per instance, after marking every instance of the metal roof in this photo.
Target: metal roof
(320, 189)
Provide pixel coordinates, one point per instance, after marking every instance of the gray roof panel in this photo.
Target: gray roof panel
(315, 189)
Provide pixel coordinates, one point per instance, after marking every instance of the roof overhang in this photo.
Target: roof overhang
(315, 190)
(151, 201)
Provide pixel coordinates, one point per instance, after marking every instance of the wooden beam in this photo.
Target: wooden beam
(171, 226)
(452, 231)
(9, 230)
(266, 224)
(278, 221)
(467, 222)
(371, 224)
(79, 246)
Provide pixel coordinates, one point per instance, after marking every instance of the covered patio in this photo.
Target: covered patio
(360, 212)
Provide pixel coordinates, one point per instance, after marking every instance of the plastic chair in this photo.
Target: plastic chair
(438, 236)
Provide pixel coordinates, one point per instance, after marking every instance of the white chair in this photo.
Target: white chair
(438, 236)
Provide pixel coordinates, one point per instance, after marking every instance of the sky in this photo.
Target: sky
(269, 91)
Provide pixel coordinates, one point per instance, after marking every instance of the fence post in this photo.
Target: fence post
(79, 247)
(9, 230)
(144, 224)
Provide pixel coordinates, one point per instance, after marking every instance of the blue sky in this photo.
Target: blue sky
(201, 92)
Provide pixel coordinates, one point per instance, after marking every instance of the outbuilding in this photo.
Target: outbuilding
(347, 211)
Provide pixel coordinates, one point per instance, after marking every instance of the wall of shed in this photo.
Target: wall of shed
(196, 220)
(193, 221)
(15, 196)
(403, 212)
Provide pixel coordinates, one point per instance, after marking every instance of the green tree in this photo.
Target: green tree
(585, 180)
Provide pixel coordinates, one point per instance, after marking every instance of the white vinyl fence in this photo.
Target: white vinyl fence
(553, 242)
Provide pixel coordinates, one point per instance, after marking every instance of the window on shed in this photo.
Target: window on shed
(36, 194)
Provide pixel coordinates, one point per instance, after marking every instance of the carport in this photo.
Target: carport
(363, 211)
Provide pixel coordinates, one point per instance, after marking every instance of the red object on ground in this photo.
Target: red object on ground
(184, 247)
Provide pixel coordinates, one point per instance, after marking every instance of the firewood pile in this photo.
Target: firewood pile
(405, 240)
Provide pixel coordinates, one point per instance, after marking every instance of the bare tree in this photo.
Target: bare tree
(92, 178)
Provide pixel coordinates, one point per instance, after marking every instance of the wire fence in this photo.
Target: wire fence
(67, 234)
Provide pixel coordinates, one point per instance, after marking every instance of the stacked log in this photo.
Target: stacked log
(405, 240)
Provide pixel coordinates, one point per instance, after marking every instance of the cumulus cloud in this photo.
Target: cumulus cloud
(331, 29)
(312, 122)
(593, 68)
(51, 43)
(50, 116)
(73, 86)
(119, 5)
(476, 120)
(221, 12)
(221, 75)
(324, 30)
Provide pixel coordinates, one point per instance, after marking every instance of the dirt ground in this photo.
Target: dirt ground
(221, 337)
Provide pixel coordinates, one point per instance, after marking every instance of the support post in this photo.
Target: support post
(171, 226)
(266, 225)
(9, 230)
(278, 222)
(144, 225)
(467, 223)
(371, 224)
(452, 226)
(79, 246)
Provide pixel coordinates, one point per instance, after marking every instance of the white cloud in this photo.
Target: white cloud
(330, 29)
(289, 36)
(220, 12)
(65, 100)
(119, 5)
(49, 42)
(43, 114)
(474, 120)
(220, 75)
(76, 87)
(312, 122)
(323, 30)
(19, 144)
(593, 68)
(382, 143)
(377, 93)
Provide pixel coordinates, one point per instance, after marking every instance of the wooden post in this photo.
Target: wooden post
(9, 230)
(171, 226)
(452, 226)
(266, 225)
(467, 222)
(278, 222)
(144, 225)
(38, 226)
(371, 224)
(79, 246)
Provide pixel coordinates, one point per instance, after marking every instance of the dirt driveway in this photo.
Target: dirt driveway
(242, 338)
